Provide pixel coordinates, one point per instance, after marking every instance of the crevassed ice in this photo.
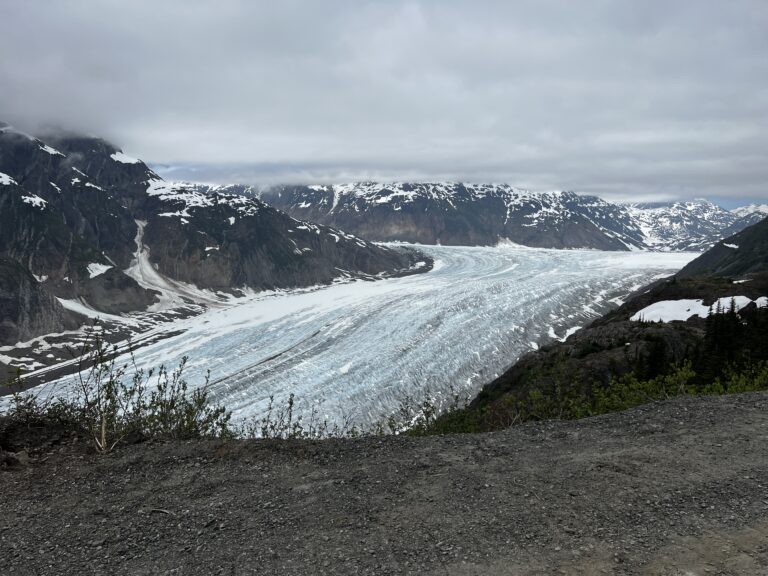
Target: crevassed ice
(358, 348)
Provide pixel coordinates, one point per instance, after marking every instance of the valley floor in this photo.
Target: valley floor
(671, 488)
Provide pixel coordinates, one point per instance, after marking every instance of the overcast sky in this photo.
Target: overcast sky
(625, 99)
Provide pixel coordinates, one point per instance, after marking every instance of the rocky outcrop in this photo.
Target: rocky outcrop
(740, 254)
(595, 355)
(114, 292)
(27, 309)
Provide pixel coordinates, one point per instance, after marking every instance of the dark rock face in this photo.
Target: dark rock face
(70, 208)
(91, 205)
(595, 354)
(27, 309)
(485, 214)
(742, 253)
(745, 221)
(221, 240)
(56, 218)
(114, 293)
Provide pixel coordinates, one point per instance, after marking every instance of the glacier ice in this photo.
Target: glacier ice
(355, 349)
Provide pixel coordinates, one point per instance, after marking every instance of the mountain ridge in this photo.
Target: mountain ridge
(486, 214)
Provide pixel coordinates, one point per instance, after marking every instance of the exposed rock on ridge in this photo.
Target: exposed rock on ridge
(26, 308)
(485, 214)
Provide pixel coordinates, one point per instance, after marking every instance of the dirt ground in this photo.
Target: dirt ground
(674, 488)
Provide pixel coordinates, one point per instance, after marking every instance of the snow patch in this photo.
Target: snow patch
(682, 310)
(6, 180)
(82, 307)
(34, 200)
(51, 151)
(124, 158)
(96, 269)
(190, 195)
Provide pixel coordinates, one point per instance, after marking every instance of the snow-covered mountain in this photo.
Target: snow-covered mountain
(461, 214)
(691, 226)
(485, 214)
(747, 216)
(750, 210)
(90, 225)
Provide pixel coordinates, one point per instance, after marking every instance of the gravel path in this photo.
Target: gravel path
(675, 488)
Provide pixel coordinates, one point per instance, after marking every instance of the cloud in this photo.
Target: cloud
(620, 98)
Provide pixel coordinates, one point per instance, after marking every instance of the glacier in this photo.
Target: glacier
(355, 349)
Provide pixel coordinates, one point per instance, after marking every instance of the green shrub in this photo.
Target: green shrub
(110, 407)
(281, 423)
(750, 378)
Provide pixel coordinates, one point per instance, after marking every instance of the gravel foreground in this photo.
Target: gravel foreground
(673, 488)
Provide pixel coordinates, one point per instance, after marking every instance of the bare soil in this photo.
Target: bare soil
(672, 488)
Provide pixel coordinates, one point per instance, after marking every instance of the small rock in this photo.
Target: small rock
(22, 457)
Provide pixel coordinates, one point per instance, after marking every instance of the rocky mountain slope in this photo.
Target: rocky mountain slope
(26, 308)
(743, 253)
(96, 226)
(485, 214)
(754, 212)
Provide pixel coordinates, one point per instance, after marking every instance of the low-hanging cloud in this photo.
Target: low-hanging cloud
(626, 99)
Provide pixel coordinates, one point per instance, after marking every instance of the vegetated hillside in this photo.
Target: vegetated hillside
(712, 337)
(485, 214)
(92, 224)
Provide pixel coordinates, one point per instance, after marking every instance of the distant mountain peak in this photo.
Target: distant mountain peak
(751, 209)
